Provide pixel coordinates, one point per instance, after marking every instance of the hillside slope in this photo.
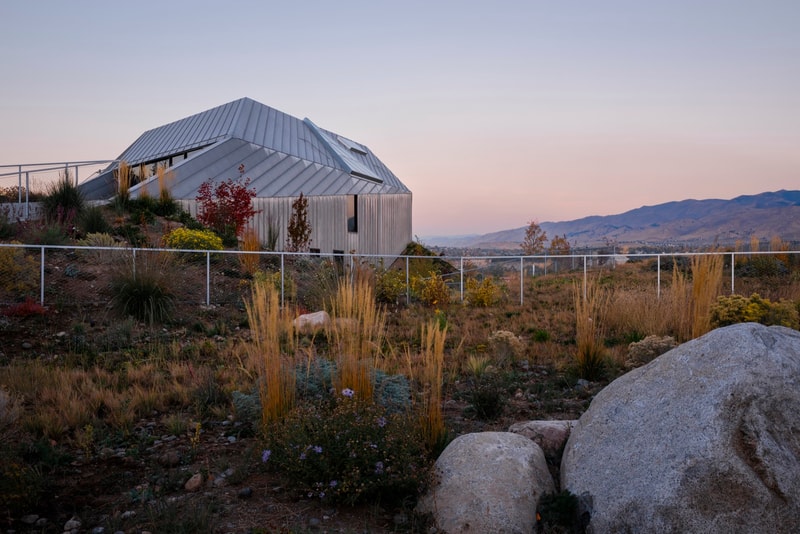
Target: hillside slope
(686, 222)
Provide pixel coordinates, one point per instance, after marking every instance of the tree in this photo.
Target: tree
(299, 229)
(534, 241)
(226, 207)
(559, 246)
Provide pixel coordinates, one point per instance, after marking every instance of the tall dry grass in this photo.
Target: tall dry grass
(706, 287)
(124, 178)
(689, 301)
(165, 178)
(356, 335)
(431, 377)
(271, 349)
(591, 307)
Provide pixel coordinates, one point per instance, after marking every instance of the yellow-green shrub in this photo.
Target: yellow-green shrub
(19, 273)
(390, 285)
(482, 294)
(186, 239)
(739, 309)
(432, 290)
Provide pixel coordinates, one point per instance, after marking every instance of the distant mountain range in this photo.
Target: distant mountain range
(681, 223)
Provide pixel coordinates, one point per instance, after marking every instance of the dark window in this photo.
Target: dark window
(314, 251)
(352, 213)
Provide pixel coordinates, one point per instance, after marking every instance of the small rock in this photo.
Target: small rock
(128, 514)
(29, 519)
(98, 530)
(194, 483)
(170, 459)
(107, 452)
(245, 493)
(41, 522)
(231, 439)
(72, 524)
(314, 523)
(26, 345)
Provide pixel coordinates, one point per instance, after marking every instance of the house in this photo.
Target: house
(355, 203)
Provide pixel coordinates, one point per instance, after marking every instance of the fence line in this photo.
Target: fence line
(465, 265)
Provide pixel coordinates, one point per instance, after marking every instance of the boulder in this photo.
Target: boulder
(487, 482)
(549, 435)
(311, 322)
(705, 438)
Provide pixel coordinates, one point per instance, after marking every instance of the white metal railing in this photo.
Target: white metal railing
(464, 265)
(27, 169)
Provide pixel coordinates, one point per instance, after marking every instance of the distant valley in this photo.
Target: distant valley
(679, 224)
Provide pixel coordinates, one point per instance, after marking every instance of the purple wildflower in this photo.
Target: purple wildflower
(317, 449)
(381, 422)
(347, 392)
(266, 453)
(333, 483)
(378, 468)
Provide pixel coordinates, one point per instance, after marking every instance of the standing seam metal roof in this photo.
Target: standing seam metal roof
(282, 155)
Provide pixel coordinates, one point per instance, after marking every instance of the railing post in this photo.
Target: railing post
(584, 278)
(41, 278)
(134, 264)
(208, 278)
(408, 288)
(658, 278)
(521, 279)
(733, 267)
(462, 278)
(27, 194)
(283, 276)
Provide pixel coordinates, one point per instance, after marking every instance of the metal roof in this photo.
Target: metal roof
(282, 155)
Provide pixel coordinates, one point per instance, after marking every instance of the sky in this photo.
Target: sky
(494, 114)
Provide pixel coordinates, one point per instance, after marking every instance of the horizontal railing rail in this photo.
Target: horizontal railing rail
(463, 267)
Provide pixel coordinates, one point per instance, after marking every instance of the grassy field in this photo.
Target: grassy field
(117, 393)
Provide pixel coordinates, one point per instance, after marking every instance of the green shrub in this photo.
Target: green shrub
(482, 294)
(346, 449)
(558, 512)
(62, 197)
(485, 394)
(186, 239)
(143, 289)
(734, 309)
(390, 285)
(93, 221)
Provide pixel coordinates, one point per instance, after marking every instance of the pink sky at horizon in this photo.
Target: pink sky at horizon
(493, 115)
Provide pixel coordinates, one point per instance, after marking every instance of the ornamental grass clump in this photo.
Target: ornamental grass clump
(271, 351)
(356, 335)
(591, 306)
(431, 420)
(346, 448)
(144, 288)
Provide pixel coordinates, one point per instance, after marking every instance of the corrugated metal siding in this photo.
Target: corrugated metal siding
(384, 222)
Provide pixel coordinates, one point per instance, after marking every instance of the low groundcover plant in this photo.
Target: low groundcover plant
(342, 448)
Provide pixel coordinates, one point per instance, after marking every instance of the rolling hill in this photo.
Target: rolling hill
(682, 223)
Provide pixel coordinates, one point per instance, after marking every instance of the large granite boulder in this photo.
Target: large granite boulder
(487, 482)
(705, 438)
